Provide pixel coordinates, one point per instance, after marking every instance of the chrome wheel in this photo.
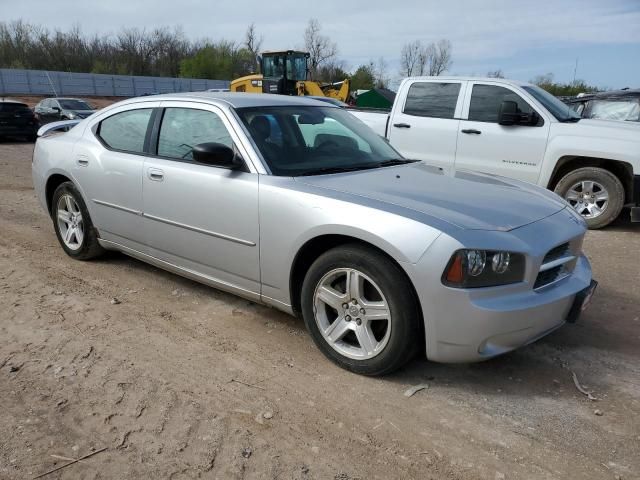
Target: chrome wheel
(590, 199)
(70, 222)
(352, 313)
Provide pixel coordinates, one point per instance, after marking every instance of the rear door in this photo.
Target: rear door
(484, 145)
(108, 167)
(425, 127)
(200, 217)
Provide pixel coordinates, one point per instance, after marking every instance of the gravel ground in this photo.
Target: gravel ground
(182, 381)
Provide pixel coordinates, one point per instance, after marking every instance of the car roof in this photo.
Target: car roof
(235, 99)
(8, 100)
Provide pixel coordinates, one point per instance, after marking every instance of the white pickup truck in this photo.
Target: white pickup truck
(520, 131)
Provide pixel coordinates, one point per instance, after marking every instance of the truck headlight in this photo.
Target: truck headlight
(471, 268)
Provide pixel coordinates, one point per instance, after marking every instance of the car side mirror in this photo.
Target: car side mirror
(508, 113)
(217, 155)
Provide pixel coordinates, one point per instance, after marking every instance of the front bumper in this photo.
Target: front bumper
(477, 324)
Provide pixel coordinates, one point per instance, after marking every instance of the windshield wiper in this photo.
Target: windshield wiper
(396, 161)
(327, 170)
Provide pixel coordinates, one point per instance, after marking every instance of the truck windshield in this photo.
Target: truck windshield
(309, 140)
(561, 111)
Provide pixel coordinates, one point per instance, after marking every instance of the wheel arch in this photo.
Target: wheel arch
(314, 247)
(53, 182)
(568, 163)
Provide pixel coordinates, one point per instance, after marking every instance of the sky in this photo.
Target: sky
(523, 38)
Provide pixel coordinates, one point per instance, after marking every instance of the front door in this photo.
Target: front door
(514, 151)
(201, 218)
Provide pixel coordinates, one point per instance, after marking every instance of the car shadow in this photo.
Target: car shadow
(623, 223)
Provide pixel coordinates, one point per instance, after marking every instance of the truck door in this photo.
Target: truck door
(425, 126)
(484, 145)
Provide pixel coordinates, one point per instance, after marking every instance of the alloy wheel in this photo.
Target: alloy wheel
(70, 222)
(352, 313)
(588, 198)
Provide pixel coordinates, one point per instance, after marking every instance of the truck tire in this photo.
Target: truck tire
(361, 311)
(595, 193)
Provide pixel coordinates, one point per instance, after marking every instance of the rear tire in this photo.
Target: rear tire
(72, 223)
(595, 193)
(379, 330)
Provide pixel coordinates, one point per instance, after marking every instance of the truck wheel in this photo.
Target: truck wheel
(361, 311)
(595, 193)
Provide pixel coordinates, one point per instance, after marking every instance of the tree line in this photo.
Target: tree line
(167, 52)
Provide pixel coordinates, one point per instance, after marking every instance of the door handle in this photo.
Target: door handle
(471, 131)
(155, 174)
(402, 125)
(83, 161)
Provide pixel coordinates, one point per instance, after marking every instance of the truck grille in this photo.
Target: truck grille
(554, 265)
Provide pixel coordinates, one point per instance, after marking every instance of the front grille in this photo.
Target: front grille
(548, 276)
(556, 253)
(560, 254)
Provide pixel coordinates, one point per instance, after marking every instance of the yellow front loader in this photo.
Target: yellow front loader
(285, 73)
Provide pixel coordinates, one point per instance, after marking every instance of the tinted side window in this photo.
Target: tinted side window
(432, 100)
(126, 130)
(486, 100)
(184, 128)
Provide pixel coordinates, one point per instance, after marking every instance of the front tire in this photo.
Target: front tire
(595, 193)
(361, 311)
(72, 223)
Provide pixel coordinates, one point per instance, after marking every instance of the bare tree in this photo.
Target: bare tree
(380, 72)
(495, 74)
(253, 43)
(320, 47)
(412, 59)
(438, 57)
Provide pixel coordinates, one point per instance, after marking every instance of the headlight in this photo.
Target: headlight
(71, 115)
(483, 268)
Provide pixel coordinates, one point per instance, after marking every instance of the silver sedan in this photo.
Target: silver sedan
(296, 204)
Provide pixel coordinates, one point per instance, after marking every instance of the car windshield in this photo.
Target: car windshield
(71, 104)
(561, 111)
(310, 140)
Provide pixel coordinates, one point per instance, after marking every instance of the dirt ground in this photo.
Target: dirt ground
(182, 381)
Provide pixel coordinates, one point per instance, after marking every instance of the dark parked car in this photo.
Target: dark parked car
(623, 105)
(17, 120)
(54, 109)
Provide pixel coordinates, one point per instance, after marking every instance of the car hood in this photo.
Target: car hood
(467, 200)
(598, 128)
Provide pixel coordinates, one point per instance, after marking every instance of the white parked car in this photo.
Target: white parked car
(520, 131)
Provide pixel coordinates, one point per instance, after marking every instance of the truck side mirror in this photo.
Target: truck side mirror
(508, 113)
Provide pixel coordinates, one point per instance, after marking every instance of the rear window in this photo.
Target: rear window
(429, 99)
(126, 131)
(10, 107)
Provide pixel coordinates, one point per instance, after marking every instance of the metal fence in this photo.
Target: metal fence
(42, 82)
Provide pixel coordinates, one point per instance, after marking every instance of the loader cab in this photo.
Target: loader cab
(282, 70)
